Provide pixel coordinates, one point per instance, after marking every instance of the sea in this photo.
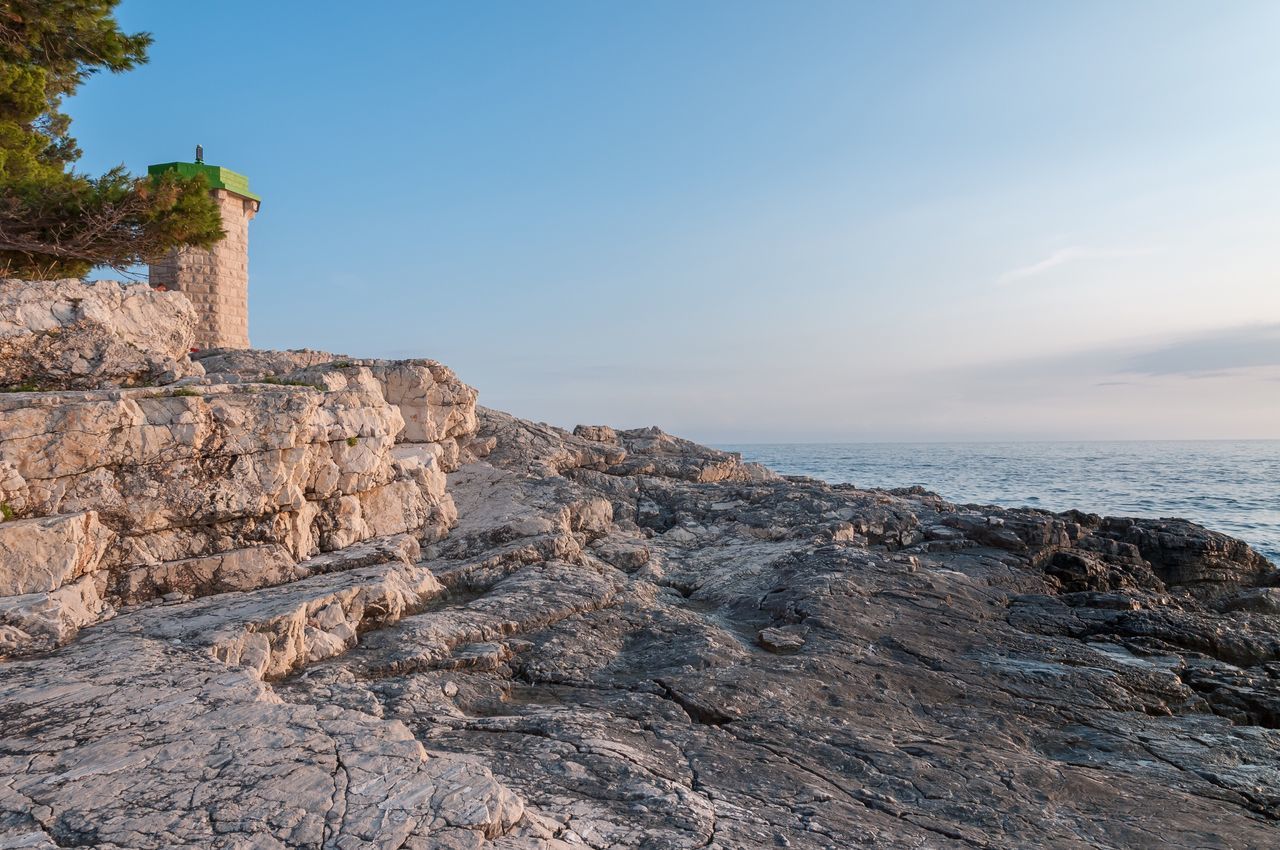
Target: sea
(1226, 485)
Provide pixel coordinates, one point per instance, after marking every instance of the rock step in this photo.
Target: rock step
(253, 568)
(531, 598)
(275, 631)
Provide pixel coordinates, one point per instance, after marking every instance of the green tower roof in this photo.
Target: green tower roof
(215, 175)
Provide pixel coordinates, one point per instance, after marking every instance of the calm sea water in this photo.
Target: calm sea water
(1229, 486)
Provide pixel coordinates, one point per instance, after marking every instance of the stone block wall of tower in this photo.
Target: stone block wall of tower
(217, 280)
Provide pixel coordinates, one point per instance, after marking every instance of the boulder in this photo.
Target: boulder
(597, 433)
(434, 403)
(1261, 600)
(42, 554)
(34, 622)
(652, 451)
(1207, 563)
(68, 334)
(781, 640)
(542, 449)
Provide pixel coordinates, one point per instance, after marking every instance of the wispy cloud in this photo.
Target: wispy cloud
(1063, 256)
(1211, 354)
(1237, 351)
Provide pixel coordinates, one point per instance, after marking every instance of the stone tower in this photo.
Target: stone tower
(217, 280)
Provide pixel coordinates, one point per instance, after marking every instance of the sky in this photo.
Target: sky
(753, 221)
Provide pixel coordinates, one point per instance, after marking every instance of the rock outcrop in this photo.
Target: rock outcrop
(64, 334)
(226, 482)
(321, 602)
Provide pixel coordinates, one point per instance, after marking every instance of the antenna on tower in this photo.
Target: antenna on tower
(199, 153)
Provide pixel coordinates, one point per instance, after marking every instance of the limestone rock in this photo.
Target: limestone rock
(540, 448)
(597, 433)
(605, 640)
(43, 554)
(437, 407)
(652, 451)
(228, 365)
(67, 334)
(217, 487)
(235, 569)
(34, 622)
(154, 461)
(1185, 554)
(1263, 600)
(434, 403)
(780, 639)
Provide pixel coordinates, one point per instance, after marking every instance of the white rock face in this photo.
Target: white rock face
(238, 569)
(51, 579)
(38, 621)
(437, 408)
(434, 403)
(42, 554)
(152, 463)
(67, 334)
(214, 488)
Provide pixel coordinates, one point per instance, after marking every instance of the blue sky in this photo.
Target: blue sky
(754, 221)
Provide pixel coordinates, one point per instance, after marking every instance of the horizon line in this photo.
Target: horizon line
(997, 441)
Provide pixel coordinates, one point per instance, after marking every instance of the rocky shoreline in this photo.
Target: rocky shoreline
(294, 599)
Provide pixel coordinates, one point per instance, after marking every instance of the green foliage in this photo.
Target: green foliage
(6, 511)
(55, 222)
(342, 364)
(352, 442)
(184, 392)
(26, 387)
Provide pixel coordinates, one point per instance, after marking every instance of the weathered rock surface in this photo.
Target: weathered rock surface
(237, 364)
(236, 481)
(65, 334)
(623, 640)
(437, 408)
(42, 554)
(285, 471)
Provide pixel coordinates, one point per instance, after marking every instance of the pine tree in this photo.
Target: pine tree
(54, 221)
